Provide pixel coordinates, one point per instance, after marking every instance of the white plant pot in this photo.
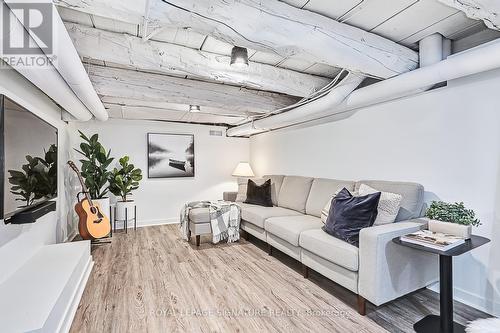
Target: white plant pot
(104, 204)
(464, 231)
(125, 208)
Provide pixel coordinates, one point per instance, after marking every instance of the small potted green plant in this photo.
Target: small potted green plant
(94, 169)
(451, 218)
(122, 181)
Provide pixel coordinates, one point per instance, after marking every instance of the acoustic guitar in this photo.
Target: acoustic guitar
(93, 224)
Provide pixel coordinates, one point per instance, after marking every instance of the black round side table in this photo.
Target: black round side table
(444, 322)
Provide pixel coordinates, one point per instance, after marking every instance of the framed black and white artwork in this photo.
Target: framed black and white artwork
(170, 155)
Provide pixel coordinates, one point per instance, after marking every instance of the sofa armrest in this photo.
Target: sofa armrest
(229, 196)
(388, 270)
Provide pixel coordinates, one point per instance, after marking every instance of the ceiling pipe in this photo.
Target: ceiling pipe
(69, 67)
(330, 100)
(431, 50)
(473, 61)
(47, 79)
(73, 72)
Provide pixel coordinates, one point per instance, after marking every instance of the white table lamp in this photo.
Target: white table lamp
(243, 169)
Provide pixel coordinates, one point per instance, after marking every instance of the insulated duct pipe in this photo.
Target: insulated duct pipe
(73, 72)
(331, 100)
(479, 59)
(70, 67)
(47, 79)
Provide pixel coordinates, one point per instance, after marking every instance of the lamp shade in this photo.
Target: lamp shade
(243, 169)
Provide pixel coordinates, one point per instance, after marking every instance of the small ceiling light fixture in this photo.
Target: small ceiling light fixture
(239, 57)
(194, 108)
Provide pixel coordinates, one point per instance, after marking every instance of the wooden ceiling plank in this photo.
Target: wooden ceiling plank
(370, 14)
(486, 10)
(289, 32)
(179, 60)
(282, 29)
(424, 13)
(333, 11)
(146, 87)
(446, 27)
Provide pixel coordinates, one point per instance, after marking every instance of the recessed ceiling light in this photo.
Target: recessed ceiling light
(239, 57)
(194, 108)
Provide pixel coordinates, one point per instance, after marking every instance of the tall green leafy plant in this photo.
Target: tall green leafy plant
(37, 179)
(124, 180)
(452, 212)
(95, 165)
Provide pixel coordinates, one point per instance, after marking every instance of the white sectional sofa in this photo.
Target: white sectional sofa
(378, 271)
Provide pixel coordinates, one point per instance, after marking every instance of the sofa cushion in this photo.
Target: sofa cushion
(257, 215)
(289, 228)
(276, 182)
(413, 196)
(322, 191)
(330, 248)
(199, 215)
(294, 192)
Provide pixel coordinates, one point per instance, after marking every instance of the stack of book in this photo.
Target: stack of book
(433, 240)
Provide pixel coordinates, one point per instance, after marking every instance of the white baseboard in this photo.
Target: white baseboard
(473, 300)
(149, 223)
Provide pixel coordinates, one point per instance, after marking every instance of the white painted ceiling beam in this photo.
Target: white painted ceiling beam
(271, 26)
(124, 85)
(174, 59)
(149, 113)
(131, 104)
(486, 10)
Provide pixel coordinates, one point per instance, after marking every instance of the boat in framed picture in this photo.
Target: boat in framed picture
(170, 155)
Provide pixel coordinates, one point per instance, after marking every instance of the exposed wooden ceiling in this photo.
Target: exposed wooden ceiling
(127, 36)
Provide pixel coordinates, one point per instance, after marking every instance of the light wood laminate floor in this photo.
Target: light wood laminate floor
(152, 281)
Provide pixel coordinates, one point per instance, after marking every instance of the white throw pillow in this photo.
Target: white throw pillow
(388, 206)
(326, 210)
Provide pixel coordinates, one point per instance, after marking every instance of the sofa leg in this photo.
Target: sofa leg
(361, 305)
(305, 271)
(269, 249)
(246, 236)
(198, 240)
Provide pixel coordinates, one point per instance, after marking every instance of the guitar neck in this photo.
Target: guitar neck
(84, 188)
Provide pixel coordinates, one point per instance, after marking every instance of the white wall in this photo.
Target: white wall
(160, 200)
(18, 242)
(446, 139)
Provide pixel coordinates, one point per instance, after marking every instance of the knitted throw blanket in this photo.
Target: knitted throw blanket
(224, 219)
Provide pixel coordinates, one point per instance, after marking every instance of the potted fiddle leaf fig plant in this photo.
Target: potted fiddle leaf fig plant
(122, 181)
(451, 218)
(94, 169)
